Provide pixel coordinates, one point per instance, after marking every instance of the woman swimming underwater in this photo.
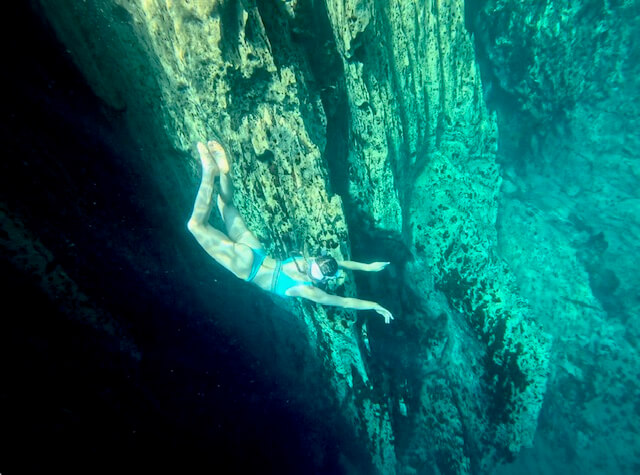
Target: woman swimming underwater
(241, 252)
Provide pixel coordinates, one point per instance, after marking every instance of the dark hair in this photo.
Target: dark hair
(328, 265)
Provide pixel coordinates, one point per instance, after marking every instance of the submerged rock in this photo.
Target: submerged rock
(565, 81)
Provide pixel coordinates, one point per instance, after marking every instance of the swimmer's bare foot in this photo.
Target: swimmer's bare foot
(208, 163)
(219, 155)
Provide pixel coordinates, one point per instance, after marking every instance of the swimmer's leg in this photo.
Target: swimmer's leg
(215, 242)
(236, 227)
(204, 200)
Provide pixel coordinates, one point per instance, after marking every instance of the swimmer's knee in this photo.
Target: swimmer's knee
(194, 226)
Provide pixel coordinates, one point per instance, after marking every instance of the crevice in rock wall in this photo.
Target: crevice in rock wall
(312, 31)
(277, 27)
(327, 68)
(230, 13)
(284, 34)
(368, 51)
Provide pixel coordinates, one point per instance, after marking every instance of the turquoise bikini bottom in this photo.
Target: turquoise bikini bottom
(258, 258)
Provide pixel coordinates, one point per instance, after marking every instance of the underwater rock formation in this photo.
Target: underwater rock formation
(564, 80)
(358, 127)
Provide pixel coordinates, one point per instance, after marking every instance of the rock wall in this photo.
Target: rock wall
(416, 100)
(351, 125)
(563, 78)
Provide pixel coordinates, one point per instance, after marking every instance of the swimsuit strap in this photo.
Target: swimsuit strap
(276, 276)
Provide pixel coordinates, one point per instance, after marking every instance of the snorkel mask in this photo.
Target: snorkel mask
(316, 273)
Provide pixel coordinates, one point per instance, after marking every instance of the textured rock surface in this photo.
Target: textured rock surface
(350, 124)
(440, 143)
(564, 80)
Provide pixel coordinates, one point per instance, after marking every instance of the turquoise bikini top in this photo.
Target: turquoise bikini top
(281, 282)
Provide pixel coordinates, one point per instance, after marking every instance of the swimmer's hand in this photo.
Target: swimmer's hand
(377, 266)
(385, 313)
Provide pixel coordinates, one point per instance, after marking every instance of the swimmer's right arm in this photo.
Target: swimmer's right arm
(372, 267)
(316, 295)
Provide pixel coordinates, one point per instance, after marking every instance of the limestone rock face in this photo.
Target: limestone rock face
(563, 77)
(352, 126)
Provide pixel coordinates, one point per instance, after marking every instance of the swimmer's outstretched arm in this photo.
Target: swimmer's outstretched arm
(372, 267)
(316, 295)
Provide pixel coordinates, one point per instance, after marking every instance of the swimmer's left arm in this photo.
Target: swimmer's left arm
(320, 296)
(372, 267)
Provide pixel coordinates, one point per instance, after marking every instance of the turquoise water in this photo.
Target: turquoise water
(512, 225)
